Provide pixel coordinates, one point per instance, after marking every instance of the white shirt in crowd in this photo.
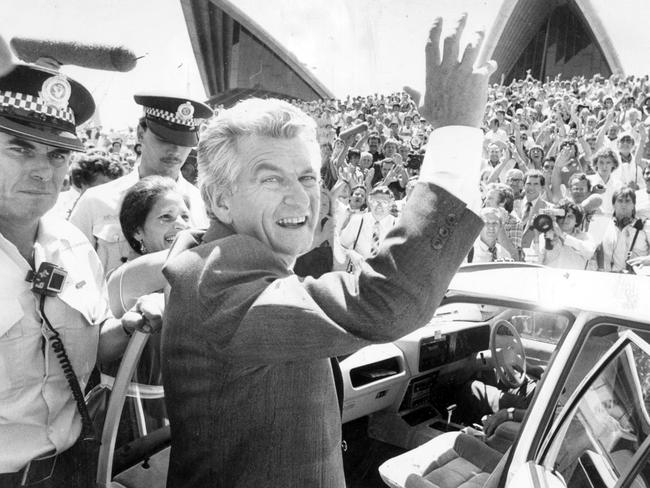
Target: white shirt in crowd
(364, 226)
(611, 186)
(617, 245)
(484, 254)
(574, 253)
(642, 205)
(628, 173)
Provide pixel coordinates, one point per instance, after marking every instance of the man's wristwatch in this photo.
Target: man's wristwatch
(511, 413)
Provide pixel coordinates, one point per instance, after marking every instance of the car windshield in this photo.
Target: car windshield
(531, 324)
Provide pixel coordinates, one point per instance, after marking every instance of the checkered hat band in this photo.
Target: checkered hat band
(33, 104)
(170, 117)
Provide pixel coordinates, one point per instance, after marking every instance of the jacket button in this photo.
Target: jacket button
(452, 219)
(436, 243)
(443, 231)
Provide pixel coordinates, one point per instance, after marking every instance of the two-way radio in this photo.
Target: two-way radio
(48, 282)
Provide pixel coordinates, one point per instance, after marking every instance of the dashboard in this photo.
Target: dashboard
(402, 376)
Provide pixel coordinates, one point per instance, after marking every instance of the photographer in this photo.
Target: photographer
(562, 244)
(626, 237)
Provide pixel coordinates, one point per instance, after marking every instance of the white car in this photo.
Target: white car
(588, 423)
(582, 334)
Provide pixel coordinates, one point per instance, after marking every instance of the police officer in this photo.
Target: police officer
(52, 291)
(170, 128)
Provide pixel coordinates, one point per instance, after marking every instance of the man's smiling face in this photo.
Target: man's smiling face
(276, 195)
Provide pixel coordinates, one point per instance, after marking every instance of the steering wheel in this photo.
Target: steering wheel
(508, 353)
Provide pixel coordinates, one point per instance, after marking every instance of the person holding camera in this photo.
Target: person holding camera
(561, 242)
(626, 237)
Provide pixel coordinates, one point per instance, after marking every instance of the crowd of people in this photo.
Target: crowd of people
(288, 192)
(566, 148)
(575, 150)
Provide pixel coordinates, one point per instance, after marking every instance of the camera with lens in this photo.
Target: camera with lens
(544, 221)
(414, 161)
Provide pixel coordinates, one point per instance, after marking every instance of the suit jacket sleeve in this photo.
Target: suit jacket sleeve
(254, 310)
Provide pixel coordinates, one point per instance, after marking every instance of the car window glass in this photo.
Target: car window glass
(596, 443)
(144, 409)
(540, 326)
(531, 324)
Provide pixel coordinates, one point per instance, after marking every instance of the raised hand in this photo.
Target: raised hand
(563, 157)
(346, 173)
(339, 147)
(455, 92)
(390, 176)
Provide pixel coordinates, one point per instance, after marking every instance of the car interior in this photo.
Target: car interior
(396, 397)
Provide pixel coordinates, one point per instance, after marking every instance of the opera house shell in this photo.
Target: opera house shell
(241, 53)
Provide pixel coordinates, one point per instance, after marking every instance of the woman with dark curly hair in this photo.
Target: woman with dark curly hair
(152, 213)
(93, 169)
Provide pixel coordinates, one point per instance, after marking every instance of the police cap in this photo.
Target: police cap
(43, 105)
(174, 119)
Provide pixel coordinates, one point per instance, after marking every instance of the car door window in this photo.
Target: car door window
(540, 326)
(606, 422)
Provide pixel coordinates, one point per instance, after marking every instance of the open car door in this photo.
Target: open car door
(148, 455)
(602, 437)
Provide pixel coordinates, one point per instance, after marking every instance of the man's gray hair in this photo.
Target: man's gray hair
(217, 152)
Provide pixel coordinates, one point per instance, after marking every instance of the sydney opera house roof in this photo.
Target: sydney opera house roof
(325, 48)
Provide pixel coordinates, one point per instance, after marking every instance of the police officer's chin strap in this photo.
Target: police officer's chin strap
(48, 281)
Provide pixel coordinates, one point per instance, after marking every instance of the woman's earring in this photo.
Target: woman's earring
(143, 248)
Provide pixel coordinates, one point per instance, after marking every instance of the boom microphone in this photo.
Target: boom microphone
(353, 131)
(94, 56)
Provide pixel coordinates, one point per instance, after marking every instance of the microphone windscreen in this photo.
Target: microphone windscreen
(6, 58)
(94, 56)
(353, 131)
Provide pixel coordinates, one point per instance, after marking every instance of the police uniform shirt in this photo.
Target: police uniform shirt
(38, 414)
(97, 215)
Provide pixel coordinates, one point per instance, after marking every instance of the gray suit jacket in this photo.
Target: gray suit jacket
(246, 342)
